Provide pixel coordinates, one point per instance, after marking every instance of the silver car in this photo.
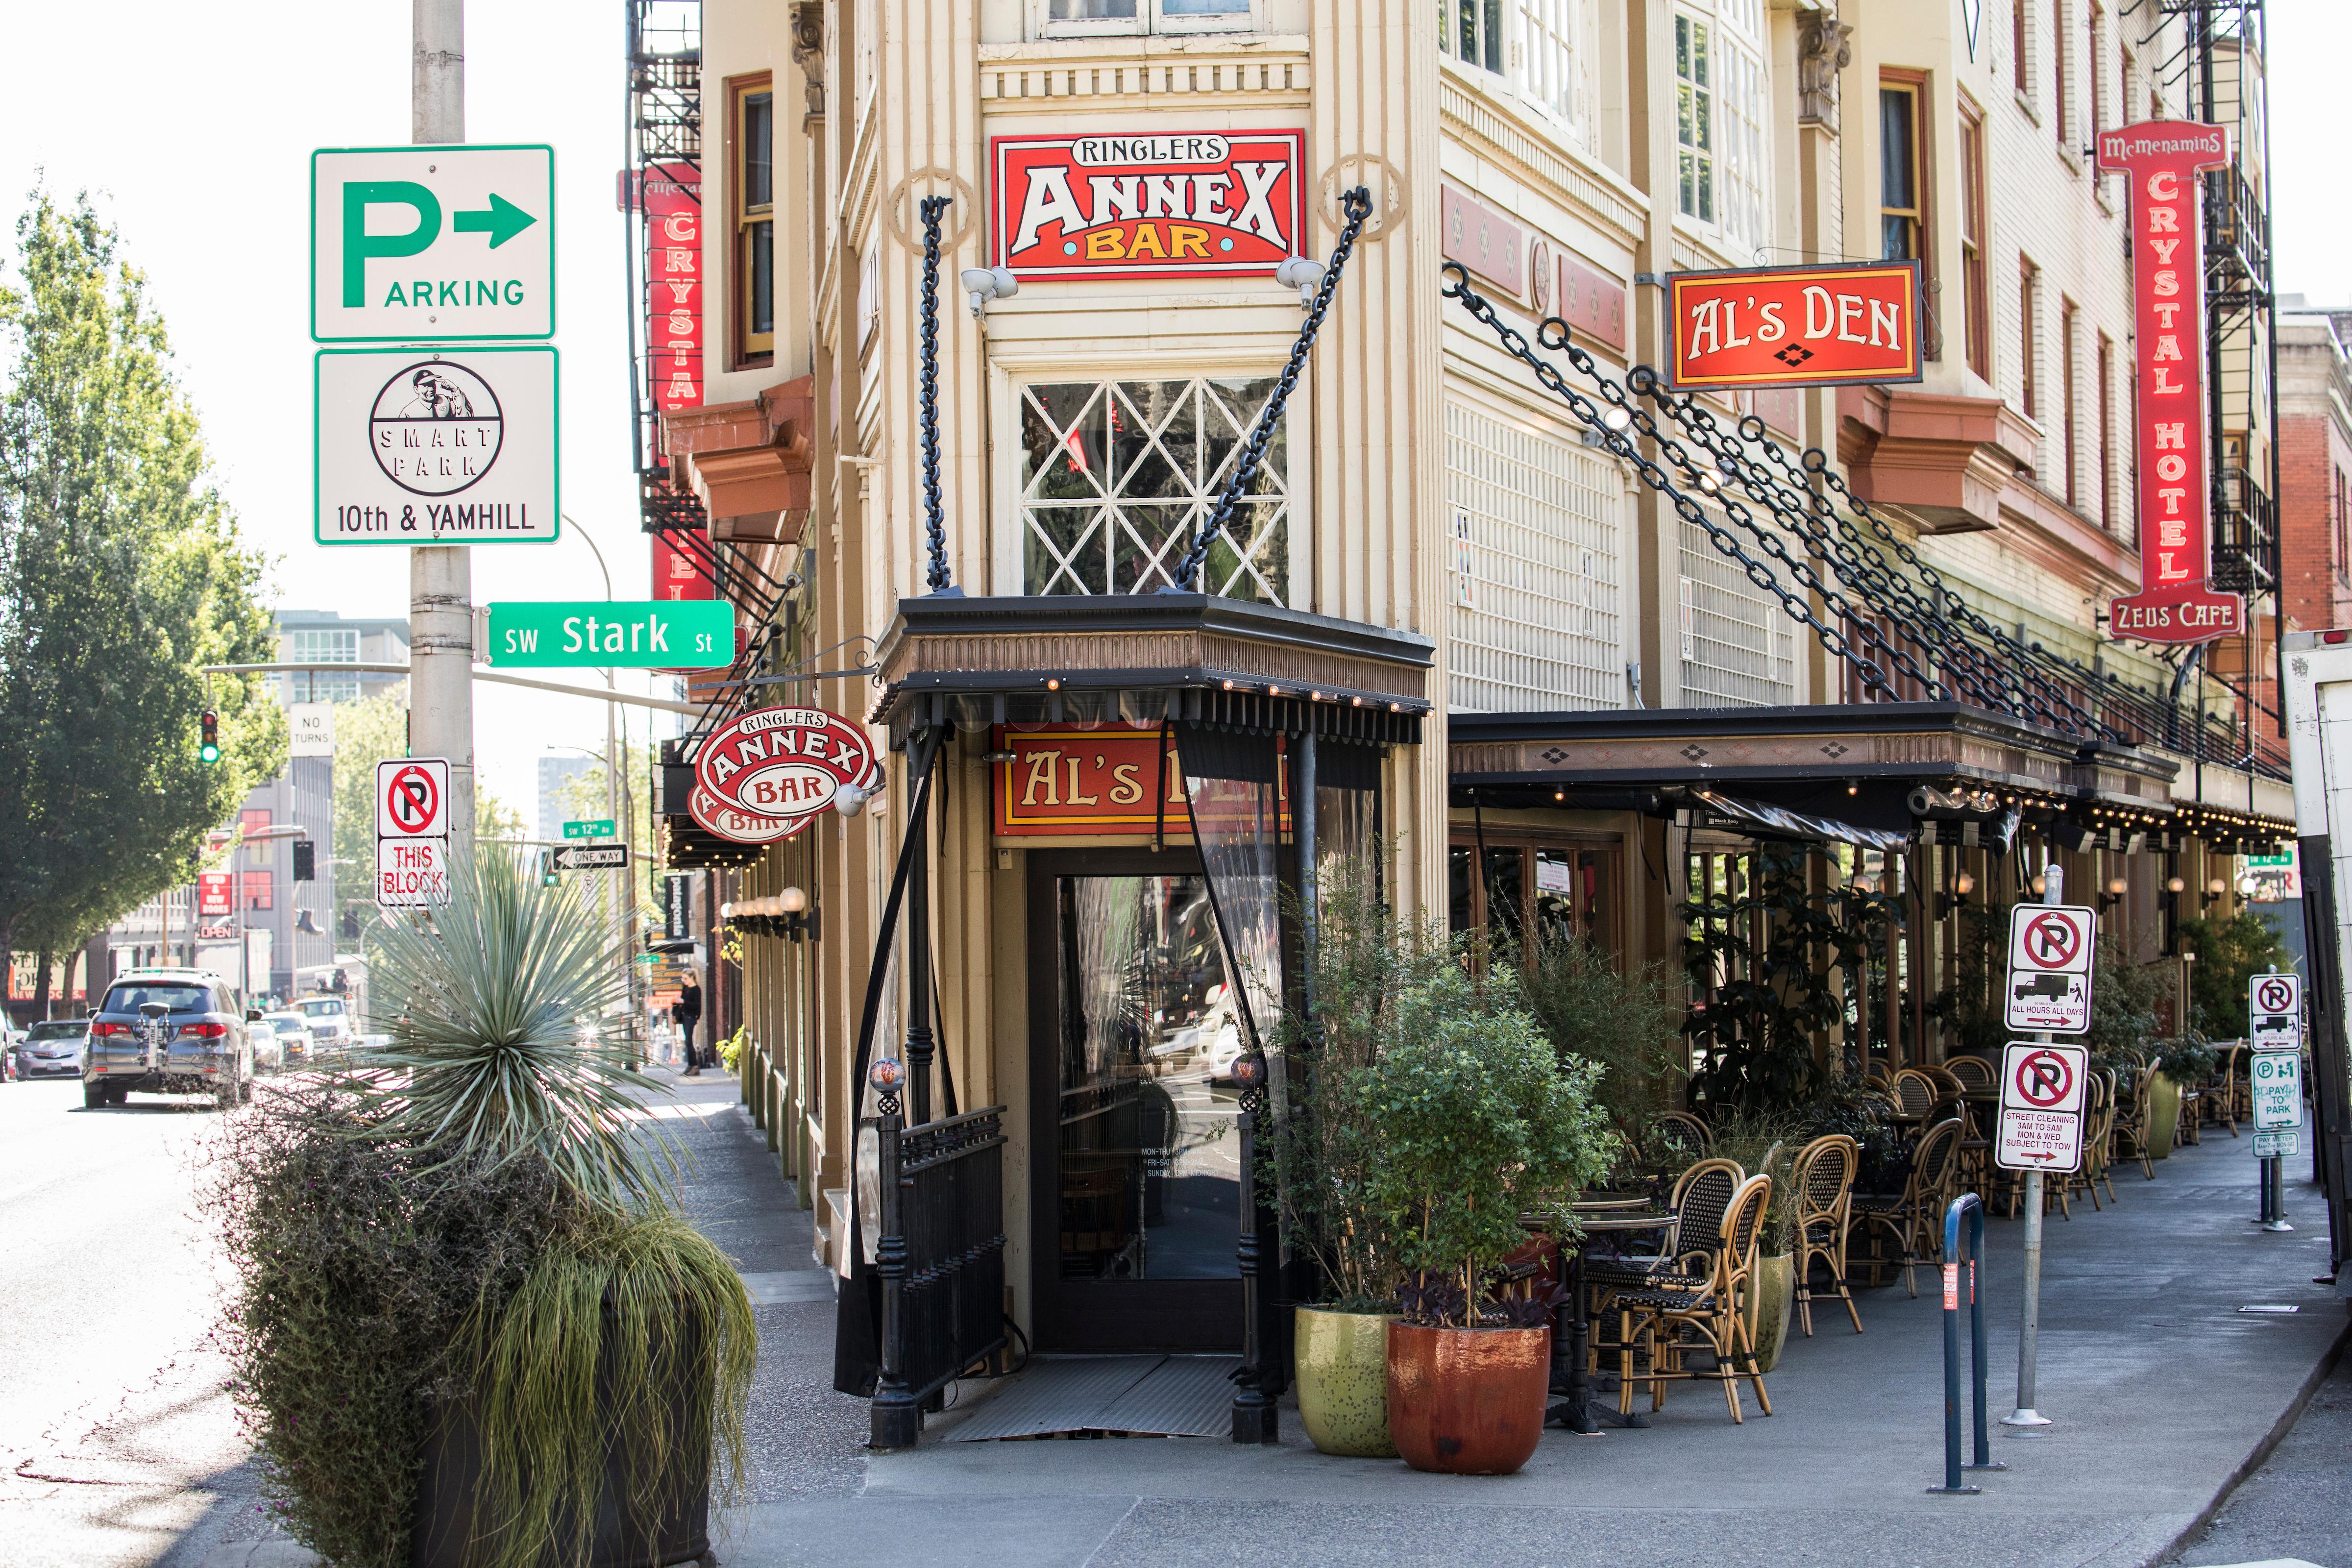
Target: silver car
(168, 1031)
(50, 1050)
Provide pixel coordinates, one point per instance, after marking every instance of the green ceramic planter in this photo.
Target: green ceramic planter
(1343, 1388)
(1771, 1295)
(2163, 1114)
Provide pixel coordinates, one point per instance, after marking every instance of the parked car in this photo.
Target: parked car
(292, 1033)
(51, 1049)
(329, 1021)
(168, 1031)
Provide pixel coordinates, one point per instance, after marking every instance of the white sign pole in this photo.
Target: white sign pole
(2028, 1332)
(441, 576)
(2274, 1068)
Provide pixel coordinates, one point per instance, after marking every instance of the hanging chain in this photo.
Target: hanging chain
(1613, 436)
(1356, 207)
(934, 508)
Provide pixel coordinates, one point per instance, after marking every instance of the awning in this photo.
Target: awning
(1778, 822)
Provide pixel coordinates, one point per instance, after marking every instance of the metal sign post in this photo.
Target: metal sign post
(2033, 935)
(2274, 1025)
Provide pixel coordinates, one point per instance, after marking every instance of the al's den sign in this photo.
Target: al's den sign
(1205, 205)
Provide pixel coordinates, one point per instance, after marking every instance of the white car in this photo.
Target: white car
(290, 1032)
(330, 1022)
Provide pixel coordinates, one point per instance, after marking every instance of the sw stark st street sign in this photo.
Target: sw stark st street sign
(432, 244)
(682, 633)
(1796, 326)
(436, 447)
(1157, 204)
(2163, 161)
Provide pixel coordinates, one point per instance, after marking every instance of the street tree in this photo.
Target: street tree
(121, 575)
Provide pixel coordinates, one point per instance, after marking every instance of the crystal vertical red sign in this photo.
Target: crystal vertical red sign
(679, 574)
(673, 206)
(2162, 160)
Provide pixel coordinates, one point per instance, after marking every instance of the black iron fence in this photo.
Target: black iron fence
(941, 1259)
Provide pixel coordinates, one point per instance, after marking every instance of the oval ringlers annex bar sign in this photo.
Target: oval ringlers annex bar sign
(783, 762)
(1796, 326)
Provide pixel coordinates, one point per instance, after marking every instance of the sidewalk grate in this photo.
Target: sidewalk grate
(1148, 1395)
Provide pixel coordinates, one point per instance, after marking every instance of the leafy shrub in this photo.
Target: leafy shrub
(2230, 950)
(2123, 1007)
(1629, 1024)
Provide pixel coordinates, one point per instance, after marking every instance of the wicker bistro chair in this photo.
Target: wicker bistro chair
(1713, 1311)
(2132, 1091)
(2234, 1092)
(1823, 1175)
(1915, 1096)
(1682, 1129)
(1701, 1196)
(1914, 1216)
(1976, 1074)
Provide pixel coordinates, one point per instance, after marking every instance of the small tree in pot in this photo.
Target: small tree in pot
(471, 1326)
(1481, 1122)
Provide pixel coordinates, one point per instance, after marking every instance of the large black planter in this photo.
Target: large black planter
(451, 1482)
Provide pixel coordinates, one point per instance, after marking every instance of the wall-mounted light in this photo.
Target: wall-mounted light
(1958, 899)
(2213, 892)
(849, 800)
(2116, 888)
(1303, 273)
(792, 901)
(2175, 885)
(982, 284)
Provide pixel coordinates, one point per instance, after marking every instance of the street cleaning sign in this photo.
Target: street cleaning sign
(2041, 1107)
(2275, 1012)
(436, 447)
(2278, 1089)
(432, 244)
(2049, 987)
(656, 634)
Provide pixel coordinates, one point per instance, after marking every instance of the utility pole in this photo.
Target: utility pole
(441, 576)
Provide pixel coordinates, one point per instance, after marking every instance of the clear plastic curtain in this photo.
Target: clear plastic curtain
(1108, 920)
(1347, 821)
(1230, 785)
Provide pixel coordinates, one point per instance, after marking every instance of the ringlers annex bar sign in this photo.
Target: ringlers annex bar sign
(2162, 159)
(1205, 205)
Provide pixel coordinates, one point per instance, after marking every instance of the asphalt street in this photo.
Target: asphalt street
(118, 1441)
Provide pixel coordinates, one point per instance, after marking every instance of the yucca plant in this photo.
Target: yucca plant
(612, 1331)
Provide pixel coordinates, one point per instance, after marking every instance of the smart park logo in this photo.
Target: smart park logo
(435, 428)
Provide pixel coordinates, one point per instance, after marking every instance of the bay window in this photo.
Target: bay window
(1540, 48)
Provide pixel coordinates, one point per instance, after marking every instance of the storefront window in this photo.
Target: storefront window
(1116, 477)
(1557, 890)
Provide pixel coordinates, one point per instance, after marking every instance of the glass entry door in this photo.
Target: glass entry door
(1137, 1198)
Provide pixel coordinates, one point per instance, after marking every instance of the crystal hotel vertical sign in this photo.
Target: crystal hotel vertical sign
(2162, 160)
(673, 204)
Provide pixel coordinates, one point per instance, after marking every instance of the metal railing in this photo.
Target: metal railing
(942, 1258)
(2237, 233)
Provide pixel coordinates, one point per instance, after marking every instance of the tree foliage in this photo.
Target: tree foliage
(2230, 950)
(122, 573)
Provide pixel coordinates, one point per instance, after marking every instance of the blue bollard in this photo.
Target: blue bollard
(1972, 1206)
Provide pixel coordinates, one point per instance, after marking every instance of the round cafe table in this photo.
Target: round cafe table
(1572, 1324)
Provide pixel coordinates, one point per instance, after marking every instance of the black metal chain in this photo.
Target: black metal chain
(934, 508)
(1356, 207)
(1613, 436)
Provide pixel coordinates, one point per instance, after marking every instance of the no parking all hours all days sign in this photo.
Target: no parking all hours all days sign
(2049, 986)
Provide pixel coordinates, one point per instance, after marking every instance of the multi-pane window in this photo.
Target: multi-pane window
(1739, 647)
(1900, 229)
(1549, 66)
(320, 646)
(2107, 432)
(323, 646)
(1117, 477)
(2343, 528)
(2059, 67)
(755, 223)
(1719, 108)
(1063, 17)
(2028, 347)
(1470, 31)
(2098, 64)
(2019, 67)
(1537, 46)
(2068, 314)
(1973, 279)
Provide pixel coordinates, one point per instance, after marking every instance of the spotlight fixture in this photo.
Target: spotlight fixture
(982, 284)
(1617, 419)
(1303, 273)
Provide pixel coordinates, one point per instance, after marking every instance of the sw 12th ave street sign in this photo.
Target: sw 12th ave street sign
(656, 634)
(429, 244)
(436, 446)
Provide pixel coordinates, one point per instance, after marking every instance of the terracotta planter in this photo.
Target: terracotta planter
(2163, 1115)
(1343, 1381)
(1771, 1295)
(1467, 1402)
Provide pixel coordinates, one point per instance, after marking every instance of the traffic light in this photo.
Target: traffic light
(546, 877)
(305, 861)
(208, 750)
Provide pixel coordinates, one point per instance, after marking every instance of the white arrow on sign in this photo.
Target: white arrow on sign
(590, 857)
(432, 244)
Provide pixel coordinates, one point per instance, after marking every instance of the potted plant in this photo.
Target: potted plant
(1480, 1123)
(2123, 1030)
(469, 1324)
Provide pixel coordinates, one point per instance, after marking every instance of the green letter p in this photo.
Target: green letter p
(359, 244)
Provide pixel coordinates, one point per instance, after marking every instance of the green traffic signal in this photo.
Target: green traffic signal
(208, 752)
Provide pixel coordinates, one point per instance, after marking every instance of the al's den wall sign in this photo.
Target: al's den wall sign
(436, 447)
(1831, 325)
(1184, 204)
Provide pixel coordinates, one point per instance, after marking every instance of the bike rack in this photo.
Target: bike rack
(1972, 1206)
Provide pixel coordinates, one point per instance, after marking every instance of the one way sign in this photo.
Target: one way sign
(589, 857)
(416, 245)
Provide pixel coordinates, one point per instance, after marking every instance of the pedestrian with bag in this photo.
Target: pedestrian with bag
(689, 1013)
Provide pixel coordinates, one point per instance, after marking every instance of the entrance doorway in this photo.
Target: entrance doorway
(1133, 1039)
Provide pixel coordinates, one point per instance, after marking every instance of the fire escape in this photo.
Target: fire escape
(664, 142)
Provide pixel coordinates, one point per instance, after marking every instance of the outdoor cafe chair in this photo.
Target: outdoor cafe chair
(2236, 1088)
(1874, 1073)
(2132, 1091)
(1946, 1080)
(1701, 1196)
(1915, 1096)
(1822, 1176)
(1976, 1075)
(2185, 1130)
(1685, 1131)
(1914, 1217)
(1714, 1311)
(2098, 1105)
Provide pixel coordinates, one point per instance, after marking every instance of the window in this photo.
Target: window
(1065, 18)
(319, 645)
(1719, 105)
(2029, 389)
(1116, 478)
(1548, 71)
(2343, 529)
(1739, 645)
(256, 890)
(1569, 888)
(2017, 46)
(2098, 64)
(323, 646)
(755, 221)
(1973, 280)
(2067, 313)
(2107, 432)
(2058, 64)
(1901, 188)
(1470, 31)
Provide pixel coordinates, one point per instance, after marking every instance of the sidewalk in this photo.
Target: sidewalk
(2162, 1390)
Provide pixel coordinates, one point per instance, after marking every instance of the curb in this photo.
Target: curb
(2262, 1451)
